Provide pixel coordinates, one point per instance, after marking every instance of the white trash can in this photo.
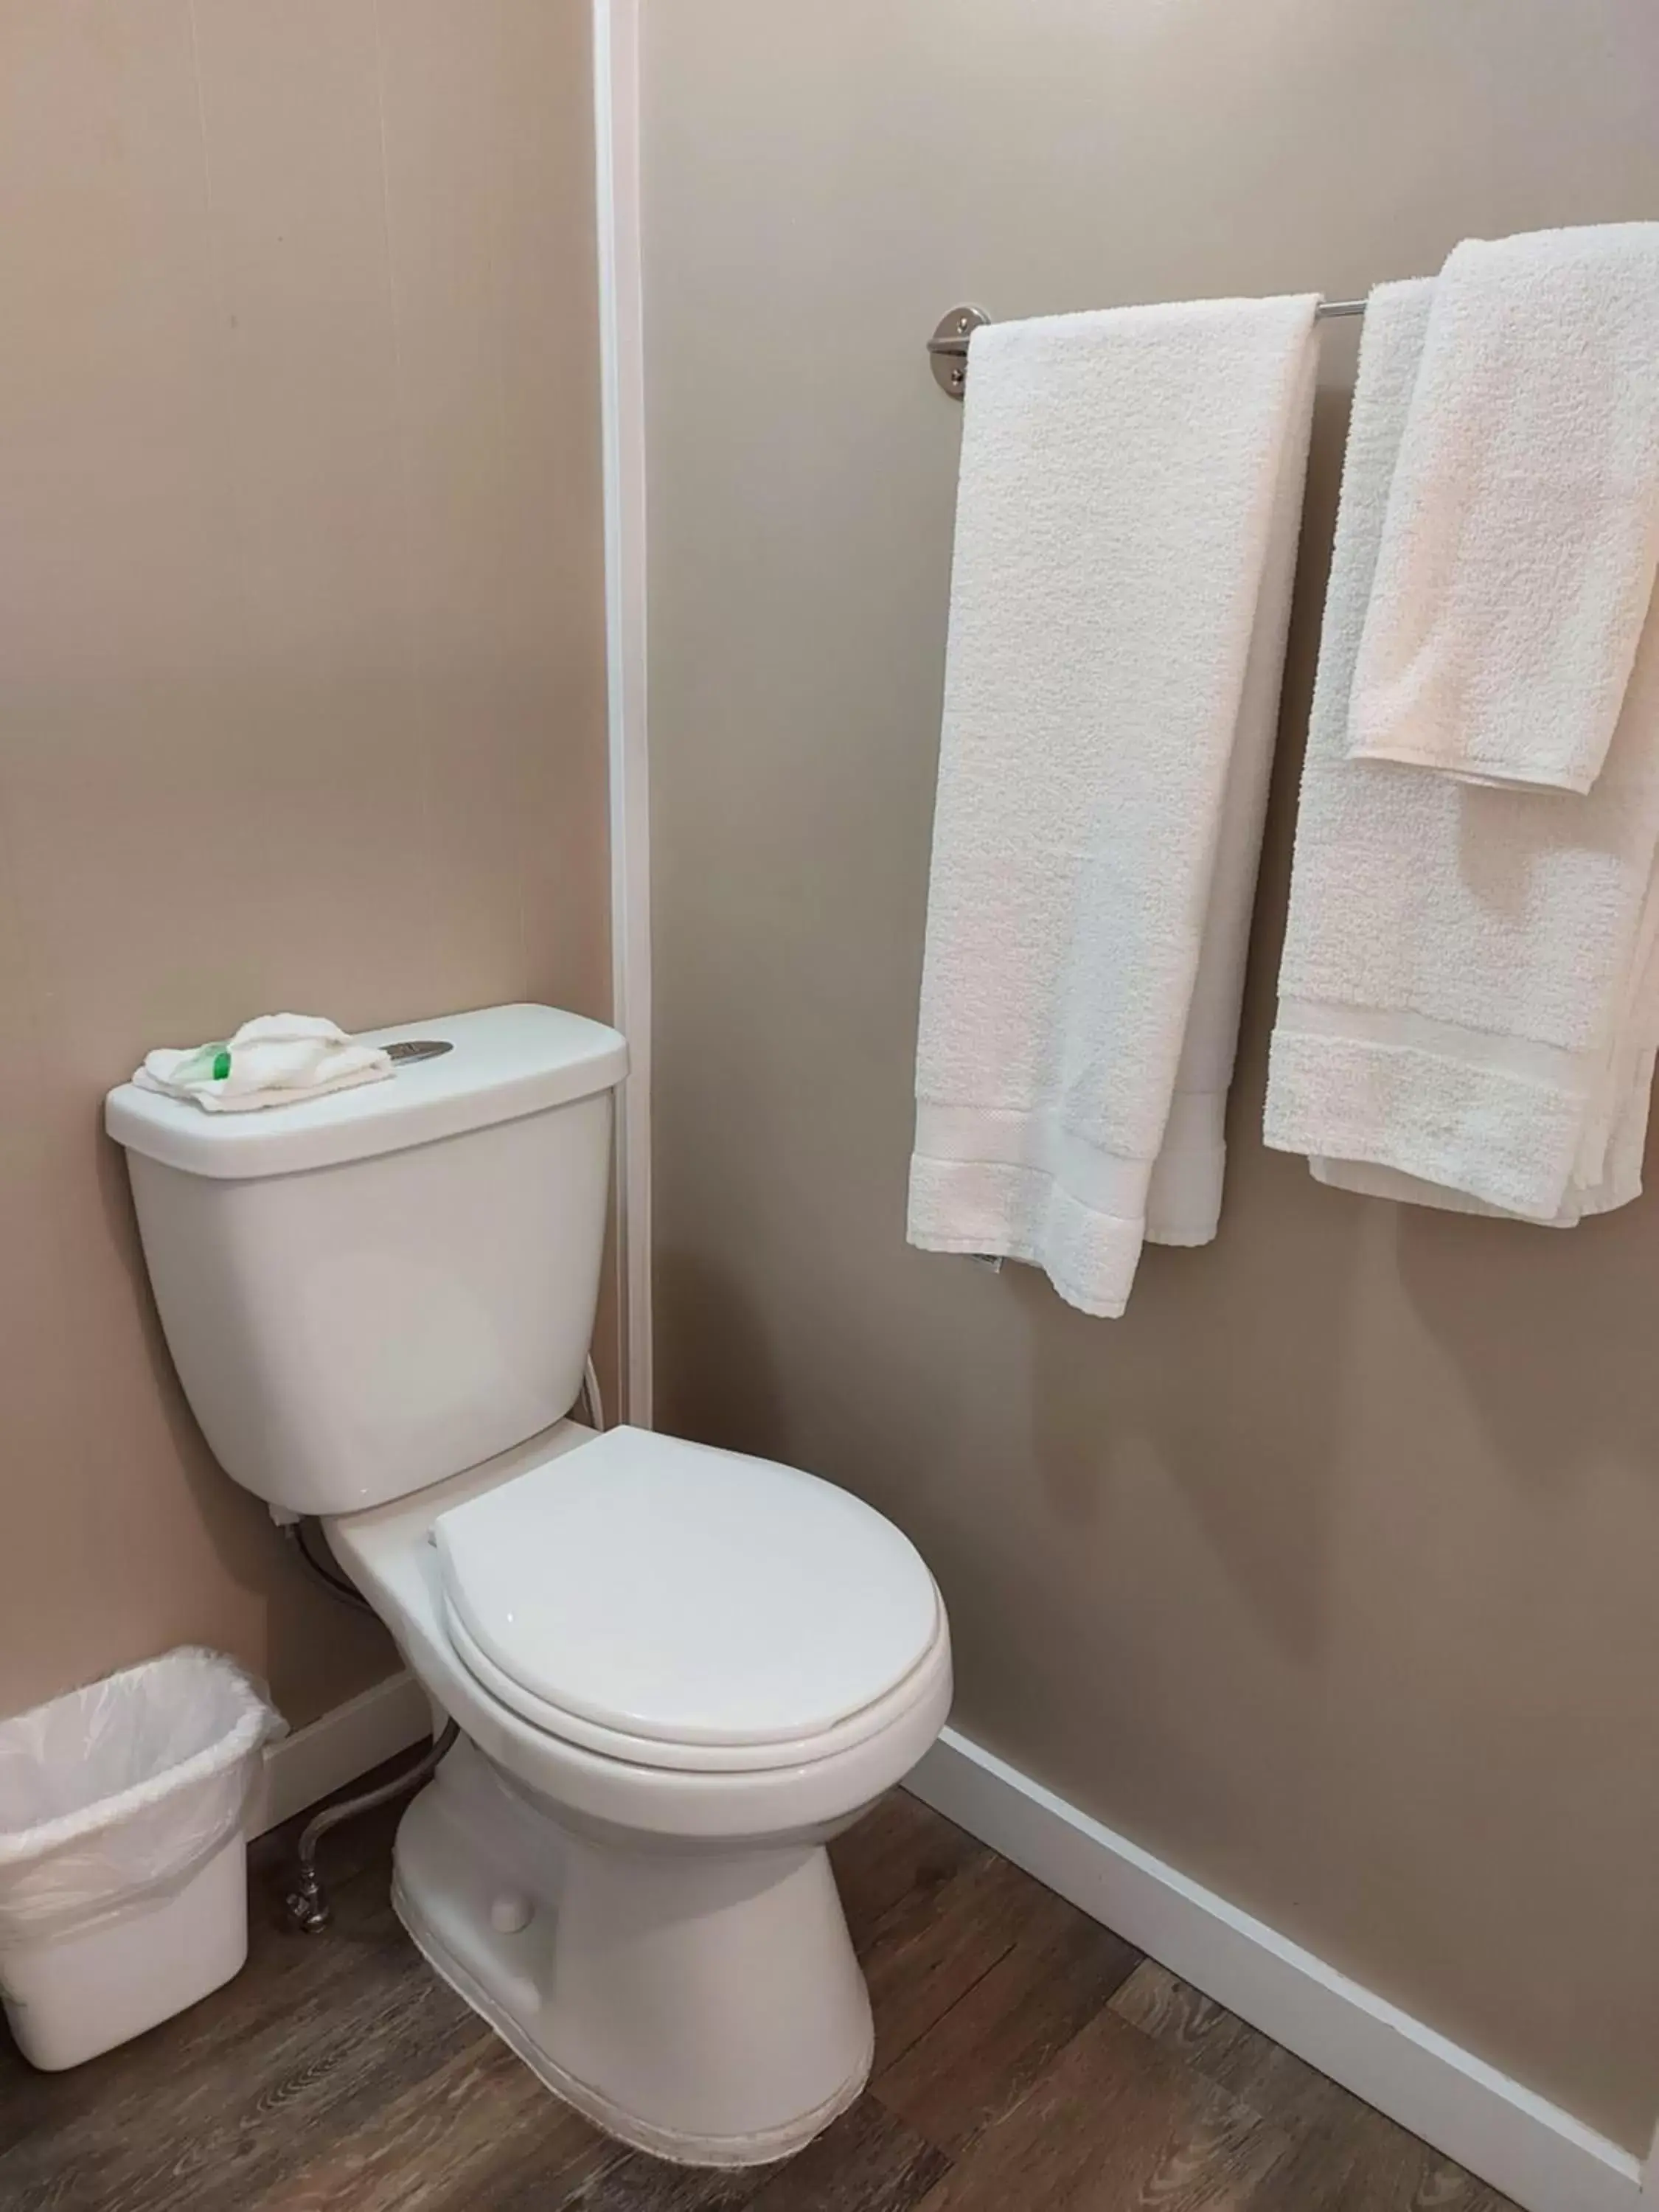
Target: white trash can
(123, 1851)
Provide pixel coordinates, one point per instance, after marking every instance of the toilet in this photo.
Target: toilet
(676, 1672)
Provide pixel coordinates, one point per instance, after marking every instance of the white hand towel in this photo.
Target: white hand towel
(1125, 536)
(1466, 1002)
(276, 1060)
(1522, 535)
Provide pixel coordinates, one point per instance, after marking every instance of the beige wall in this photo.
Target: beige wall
(301, 672)
(1329, 1572)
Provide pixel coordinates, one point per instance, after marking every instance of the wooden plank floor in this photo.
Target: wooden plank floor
(1027, 2061)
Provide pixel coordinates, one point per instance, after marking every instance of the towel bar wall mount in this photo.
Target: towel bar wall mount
(947, 350)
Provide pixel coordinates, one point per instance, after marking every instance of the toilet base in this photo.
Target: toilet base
(700, 2004)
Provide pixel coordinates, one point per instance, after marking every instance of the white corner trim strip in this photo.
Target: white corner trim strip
(1542, 2157)
(338, 1746)
(621, 380)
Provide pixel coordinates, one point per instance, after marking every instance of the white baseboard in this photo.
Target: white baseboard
(1542, 2157)
(339, 1745)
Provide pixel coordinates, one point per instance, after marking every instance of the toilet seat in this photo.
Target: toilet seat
(672, 1606)
(567, 1727)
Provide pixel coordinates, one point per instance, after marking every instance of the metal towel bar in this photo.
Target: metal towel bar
(948, 347)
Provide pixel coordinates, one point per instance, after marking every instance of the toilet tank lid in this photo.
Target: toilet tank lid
(503, 1062)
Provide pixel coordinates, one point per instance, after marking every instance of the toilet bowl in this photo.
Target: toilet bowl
(651, 1920)
(676, 1672)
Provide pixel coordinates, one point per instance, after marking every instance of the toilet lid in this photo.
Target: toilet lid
(682, 1595)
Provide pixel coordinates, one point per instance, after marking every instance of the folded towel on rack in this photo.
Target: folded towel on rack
(1467, 1002)
(277, 1060)
(1521, 533)
(1125, 536)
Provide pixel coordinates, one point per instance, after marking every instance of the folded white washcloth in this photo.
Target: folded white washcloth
(1466, 1000)
(1126, 535)
(275, 1061)
(1522, 535)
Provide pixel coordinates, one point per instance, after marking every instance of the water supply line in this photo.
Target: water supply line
(591, 1391)
(338, 1585)
(307, 1904)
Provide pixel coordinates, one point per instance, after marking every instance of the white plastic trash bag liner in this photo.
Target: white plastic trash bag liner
(116, 1795)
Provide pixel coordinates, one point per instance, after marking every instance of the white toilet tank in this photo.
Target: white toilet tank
(366, 1292)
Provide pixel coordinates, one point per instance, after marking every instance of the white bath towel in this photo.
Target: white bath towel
(1467, 1002)
(1125, 536)
(276, 1060)
(1522, 534)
